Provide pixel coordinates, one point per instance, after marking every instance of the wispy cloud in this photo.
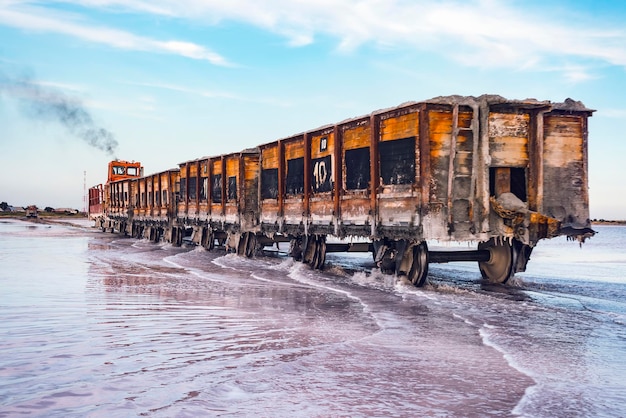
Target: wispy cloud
(480, 33)
(45, 20)
(211, 94)
(487, 33)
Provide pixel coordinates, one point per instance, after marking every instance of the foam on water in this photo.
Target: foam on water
(123, 327)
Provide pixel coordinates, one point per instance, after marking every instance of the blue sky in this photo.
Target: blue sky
(169, 81)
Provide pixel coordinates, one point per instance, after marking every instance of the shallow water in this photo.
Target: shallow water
(98, 325)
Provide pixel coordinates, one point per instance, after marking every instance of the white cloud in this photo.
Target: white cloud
(45, 20)
(489, 33)
(482, 33)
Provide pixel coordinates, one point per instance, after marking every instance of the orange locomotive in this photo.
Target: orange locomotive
(98, 195)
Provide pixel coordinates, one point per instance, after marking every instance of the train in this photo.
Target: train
(497, 173)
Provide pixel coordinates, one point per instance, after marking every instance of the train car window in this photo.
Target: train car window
(516, 182)
(397, 161)
(269, 183)
(216, 188)
(232, 188)
(357, 168)
(204, 187)
(295, 176)
(165, 197)
(322, 174)
(157, 199)
(183, 188)
(192, 187)
(118, 170)
(132, 171)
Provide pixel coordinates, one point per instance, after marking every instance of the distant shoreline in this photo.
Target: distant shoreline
(605, 222)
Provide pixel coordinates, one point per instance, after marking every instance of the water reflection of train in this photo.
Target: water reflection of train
(502, 173)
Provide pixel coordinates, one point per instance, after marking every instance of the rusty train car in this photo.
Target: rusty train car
(501, 173)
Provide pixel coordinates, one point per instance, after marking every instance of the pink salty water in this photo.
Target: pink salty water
(98, 325)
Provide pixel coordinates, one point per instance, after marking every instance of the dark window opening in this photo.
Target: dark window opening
(397, 161)
(192, 187)
(357, 168)
(165, 197)
(183, 188)
(322, 176)
(269, 183)
(204, 187)
(295, 176)
(216, 188)
(232, 188)
(119, 170)
(508, 179)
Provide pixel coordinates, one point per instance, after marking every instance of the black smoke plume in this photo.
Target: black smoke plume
(47, 103)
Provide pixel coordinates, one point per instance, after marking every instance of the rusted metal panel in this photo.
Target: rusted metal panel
(270, 183)
(293, 165)
(250, 192)
(398, 199)
(203, 188)
(322, 177)
(374, 163)
(564, 158)
(508, 139)
(354, 204)
(398, 127)
(231, 181)
(440, 135)
(216, 187)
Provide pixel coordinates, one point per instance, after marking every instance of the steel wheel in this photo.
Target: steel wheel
(419, 265)
(250, 244)
(320, 253)
(310, 249)
(500, 267)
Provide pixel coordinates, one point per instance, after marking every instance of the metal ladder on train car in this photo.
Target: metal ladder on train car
(454, 223)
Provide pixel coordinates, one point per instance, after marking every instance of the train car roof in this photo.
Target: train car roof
(247, 151)
(567, 105)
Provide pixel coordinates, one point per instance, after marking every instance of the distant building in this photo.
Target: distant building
(32, 211)
(66, 210)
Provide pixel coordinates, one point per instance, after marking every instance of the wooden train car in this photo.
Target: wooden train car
(219, 199)
(503, 173)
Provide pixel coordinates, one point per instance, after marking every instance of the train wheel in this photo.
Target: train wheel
(241, 243)
(246, 244)
(419, 265)
(501, 265)
(320, 253)
(310, 249)
(250, 244)
(295, 249)
(208, 238)
(180, 234)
